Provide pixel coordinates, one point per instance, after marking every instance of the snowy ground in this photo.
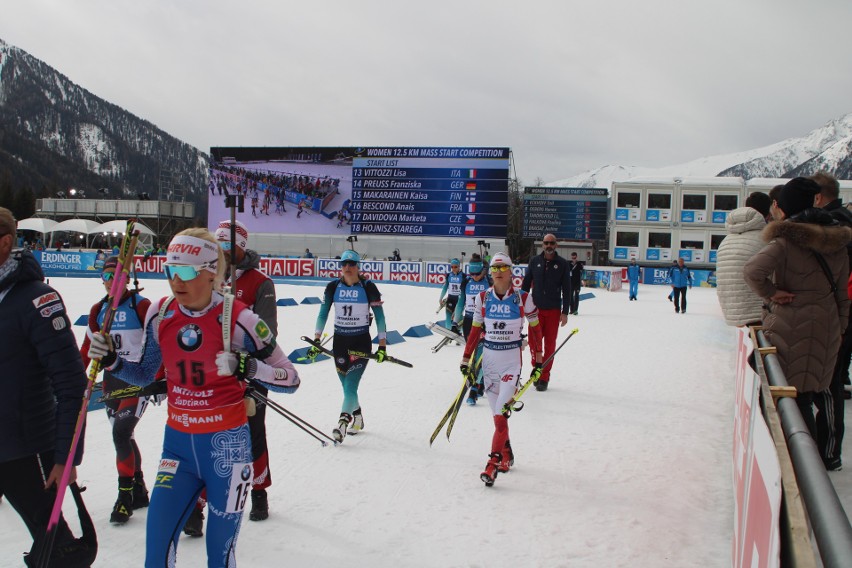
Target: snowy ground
(624, 461)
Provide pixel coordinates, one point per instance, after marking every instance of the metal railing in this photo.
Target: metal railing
(829, 522)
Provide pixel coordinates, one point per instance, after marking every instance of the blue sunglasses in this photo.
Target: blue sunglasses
(107, 276)
(226, 245)
(183, 271)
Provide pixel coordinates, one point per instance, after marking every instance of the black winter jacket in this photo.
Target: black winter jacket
(42, 375)
(549, 281)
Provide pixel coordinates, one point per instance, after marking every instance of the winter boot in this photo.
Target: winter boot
(140, 492)
(123, 509)
(259, 505)
(357, 421)
(340, 432)
(490, 473)
(508, 459)
(195, 523)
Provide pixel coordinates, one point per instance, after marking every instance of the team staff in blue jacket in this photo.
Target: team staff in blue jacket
(43, 381)
(680, 277)
(634, 273)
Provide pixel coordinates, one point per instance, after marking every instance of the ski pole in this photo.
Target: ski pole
(300, 422)
(511, 403)
(115, 294)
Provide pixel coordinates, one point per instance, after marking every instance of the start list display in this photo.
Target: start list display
(437, 192)
(569, 213)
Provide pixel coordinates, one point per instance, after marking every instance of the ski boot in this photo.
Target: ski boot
(490, 473)
(123, 509)
(508, 459)
(195, 523)
(340, 432)
(140, 492)
(259, 505)
(472, 396)
(357, 421)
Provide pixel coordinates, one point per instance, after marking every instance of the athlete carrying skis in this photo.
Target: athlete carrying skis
(353, 297)
(453, 284)
(475, 283)
(124, 414)
(207, 440)
(498, 320)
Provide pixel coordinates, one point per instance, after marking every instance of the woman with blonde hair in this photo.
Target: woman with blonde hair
(207, 441)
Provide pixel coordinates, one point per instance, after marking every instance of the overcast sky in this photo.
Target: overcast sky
(568, 85)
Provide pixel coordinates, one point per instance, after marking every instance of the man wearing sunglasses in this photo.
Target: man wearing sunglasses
(257, 291)
(547, 277)
(124, 414)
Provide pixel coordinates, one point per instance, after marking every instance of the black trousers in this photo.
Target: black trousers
(575, 298)
(22, 483)
(680, 299)
(830, 404)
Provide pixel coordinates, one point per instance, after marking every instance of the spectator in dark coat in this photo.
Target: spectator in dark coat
(575, 274)
(43, 382)
(802, 275)
(547, 277)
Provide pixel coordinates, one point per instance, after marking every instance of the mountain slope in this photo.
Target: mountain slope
(54, 132)
(826, 148)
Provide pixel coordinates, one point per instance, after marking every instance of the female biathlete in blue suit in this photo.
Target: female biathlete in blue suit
(207, 440)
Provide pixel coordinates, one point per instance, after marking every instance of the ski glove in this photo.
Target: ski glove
(240, 365)
(466, 373)
(101, 347)
(535, 375)
(381, 355)
(313, 353)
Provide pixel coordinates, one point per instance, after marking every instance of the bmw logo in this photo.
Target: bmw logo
(246, 473)
(189, 337)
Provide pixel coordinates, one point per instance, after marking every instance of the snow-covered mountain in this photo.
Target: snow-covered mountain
(827, 148)
(55, 133)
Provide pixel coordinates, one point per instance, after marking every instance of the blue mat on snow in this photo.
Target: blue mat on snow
(418, 331)
(312, 300)
(587, 296)
(286, 302)
(393, 337)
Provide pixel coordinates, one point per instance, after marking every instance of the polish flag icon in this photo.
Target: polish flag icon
(470, 230)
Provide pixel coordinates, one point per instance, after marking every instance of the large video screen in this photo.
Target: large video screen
(402, 191)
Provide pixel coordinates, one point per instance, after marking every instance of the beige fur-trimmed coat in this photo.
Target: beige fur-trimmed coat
(806, 331)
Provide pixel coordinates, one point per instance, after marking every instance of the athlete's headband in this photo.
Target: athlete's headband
(193, 251)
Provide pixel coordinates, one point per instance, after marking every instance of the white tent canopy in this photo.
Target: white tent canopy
(119, 226)
(84, 226)
(36, 224)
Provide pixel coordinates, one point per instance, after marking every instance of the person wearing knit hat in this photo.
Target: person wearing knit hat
(797, 195)
(453, 284)
(257, 291)
(207, 442)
